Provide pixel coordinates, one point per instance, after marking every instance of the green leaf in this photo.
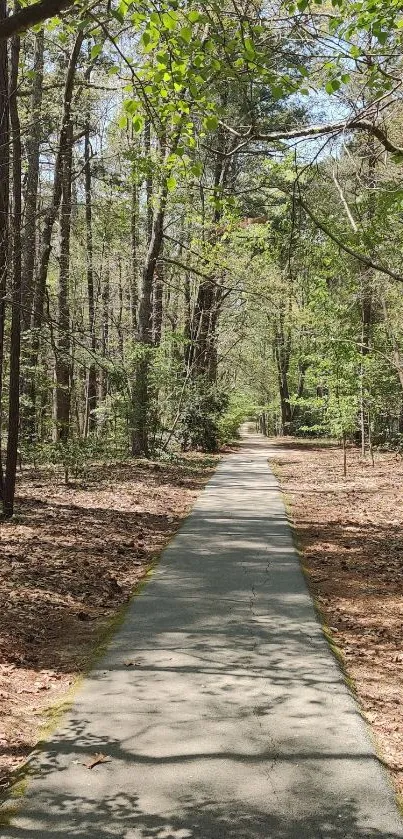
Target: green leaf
(138, 124)
(95, 50)
(186, 34)
(250, 47)
(169, 20)
(197, 169)
(332, 85)
(211, 123)
(131, 106)
(171, 183)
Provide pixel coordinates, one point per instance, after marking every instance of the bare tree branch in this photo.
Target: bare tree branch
(361, 257)
(307, 131)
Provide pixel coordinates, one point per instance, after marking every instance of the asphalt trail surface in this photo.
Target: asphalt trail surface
(219, 706)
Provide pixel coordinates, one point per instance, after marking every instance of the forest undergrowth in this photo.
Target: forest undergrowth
(350, 533)
(69, 561)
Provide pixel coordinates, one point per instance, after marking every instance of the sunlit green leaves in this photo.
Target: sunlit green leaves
(171, 183)
(95, 51)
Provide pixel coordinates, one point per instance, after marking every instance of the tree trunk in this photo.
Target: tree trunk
(4, 208)
(15, 334)
(92, 372)
(367, 297)
(31, 187)
(48, 225)
(105, 332)
(158, 291)
(134, 294)
(203, 352)
(63, 359)
(281, 352)
(141, 395)
(187, 327)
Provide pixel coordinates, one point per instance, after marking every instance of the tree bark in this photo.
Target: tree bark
(48, 225)
(158, 291)
(63, 353)
(4, 205)
(31, 188)
(92, 372)
(105, 332)
(15, 334)
(134, 294)
(281, 352)
(203, 351)
(141, 395)
(30, 16)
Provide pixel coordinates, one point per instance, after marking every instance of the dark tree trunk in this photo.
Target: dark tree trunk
(92, 372)
(141, 395)
(48, 225)
(367, 301)
(281, 352)
(105, 332)
(187, 327)
(158, 291)
(142, 420)
(4, 202)
(15, 334)
(149, 180)
(203, 351)
(31, 187)
(63, 353)
(134, 294)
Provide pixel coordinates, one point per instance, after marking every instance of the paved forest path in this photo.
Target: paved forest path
(234, 721)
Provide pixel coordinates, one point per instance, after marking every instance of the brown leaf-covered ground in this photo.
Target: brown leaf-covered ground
(350, 531)
(69, 560)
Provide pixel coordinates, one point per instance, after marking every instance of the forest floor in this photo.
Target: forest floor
(350, 531)
(69, 561)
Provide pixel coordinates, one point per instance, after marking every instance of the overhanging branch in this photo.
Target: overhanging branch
(353, 124)
(363, 258)
(32, 15)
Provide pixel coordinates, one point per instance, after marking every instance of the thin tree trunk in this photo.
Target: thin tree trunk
(141, 395)
(344, 454)
(49, 222)
(4, 208)
(15, 334)
(149, 180)
(141, 391)
(203, 356)
(105, 332)
(281, 353)
(31, 188)
(187, 327)
(63, 353)
(134, 294)
(158, 291)
(92, 372)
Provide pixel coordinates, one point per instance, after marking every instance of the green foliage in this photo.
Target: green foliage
(239, 409)
(199, 426)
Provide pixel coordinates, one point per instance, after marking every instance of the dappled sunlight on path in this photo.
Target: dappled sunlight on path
(219, 708)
